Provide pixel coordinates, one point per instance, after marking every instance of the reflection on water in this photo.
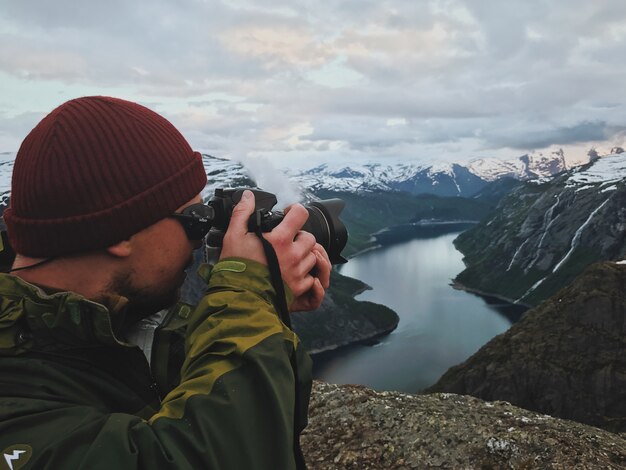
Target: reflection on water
(439, 326)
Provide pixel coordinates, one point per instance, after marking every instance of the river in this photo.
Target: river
(439, 326)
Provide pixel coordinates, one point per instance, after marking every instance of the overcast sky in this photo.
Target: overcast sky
(299, 81)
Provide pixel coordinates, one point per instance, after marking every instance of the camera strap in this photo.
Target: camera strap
(283, 312)
(277, 280)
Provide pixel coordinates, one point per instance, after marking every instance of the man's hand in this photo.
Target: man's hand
(312, 299)
(238, 241)
(304, 264)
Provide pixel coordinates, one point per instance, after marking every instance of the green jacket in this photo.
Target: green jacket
(74, 395)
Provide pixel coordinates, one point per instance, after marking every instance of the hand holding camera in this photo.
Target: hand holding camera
(236, 218)
(304, 264)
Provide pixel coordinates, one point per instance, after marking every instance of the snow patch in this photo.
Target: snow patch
(7, 159)
(613, 187)
(578, 234)
(609, 169)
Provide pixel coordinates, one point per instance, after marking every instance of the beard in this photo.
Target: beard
(145, 299)
(143, 302)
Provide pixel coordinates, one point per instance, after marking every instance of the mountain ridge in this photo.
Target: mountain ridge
(546, 231)
(441, 179)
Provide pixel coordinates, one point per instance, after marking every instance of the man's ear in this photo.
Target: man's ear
(122, 249)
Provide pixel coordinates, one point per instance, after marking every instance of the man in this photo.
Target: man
(95, 189)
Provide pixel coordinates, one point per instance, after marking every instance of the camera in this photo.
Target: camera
(323, 221)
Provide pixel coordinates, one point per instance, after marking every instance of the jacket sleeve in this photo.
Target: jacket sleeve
(234, 406)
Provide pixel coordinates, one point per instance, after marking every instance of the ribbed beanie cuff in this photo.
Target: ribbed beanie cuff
(95, 171)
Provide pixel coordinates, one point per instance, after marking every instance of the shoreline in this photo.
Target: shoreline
(454, 283)
(425, 223)
(365, 341)
(370, 340)
(397, 229)
(508, 308)
(364, 250)
(458, 286)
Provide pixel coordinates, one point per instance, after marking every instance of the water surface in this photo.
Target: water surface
(439, 325)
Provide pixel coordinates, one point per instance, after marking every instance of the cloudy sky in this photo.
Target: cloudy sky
(297, 81)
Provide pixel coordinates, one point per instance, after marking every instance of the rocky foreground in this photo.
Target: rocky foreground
(352, 427)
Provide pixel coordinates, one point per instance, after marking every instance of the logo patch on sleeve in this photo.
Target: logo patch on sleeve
(16, 456)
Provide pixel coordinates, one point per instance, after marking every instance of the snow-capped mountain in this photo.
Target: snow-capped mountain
(528, 166)
(222, 173)
(544, 233)
(442, 179)
(603, 171)
(6, 170)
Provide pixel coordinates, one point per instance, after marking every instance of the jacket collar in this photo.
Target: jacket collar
(30, 318)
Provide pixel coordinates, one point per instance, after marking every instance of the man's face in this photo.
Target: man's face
(156, 268)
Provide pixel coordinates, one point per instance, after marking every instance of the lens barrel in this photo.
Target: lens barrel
(328, 229)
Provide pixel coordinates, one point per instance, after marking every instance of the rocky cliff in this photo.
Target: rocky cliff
(352, 427)
(565, 358)
(543, 234)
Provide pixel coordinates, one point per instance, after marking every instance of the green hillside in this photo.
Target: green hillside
(367, 213)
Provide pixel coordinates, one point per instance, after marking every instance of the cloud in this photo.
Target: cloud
(278, 46)
(536, 137)
(285, 78)
(30, 62)
(13, 129)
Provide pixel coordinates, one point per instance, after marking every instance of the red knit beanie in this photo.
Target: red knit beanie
(95, 171)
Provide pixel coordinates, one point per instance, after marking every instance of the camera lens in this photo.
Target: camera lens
(329, 231)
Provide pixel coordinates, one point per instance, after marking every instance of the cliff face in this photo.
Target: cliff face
(356, 428)
(544, 234)
(566, 358)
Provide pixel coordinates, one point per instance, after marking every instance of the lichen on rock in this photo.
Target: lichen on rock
(353, 427)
